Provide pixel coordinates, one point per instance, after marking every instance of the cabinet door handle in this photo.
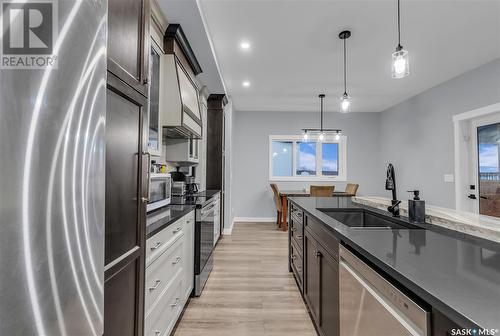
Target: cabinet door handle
(318, 254)
(176, 261)
(177, 300)
(156, 246)
(177, 230)
(157, 284)
(299, 236)
(294, 256)
(294, 229)
(157, 332)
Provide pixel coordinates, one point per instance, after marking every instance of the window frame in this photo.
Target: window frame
(342, 160)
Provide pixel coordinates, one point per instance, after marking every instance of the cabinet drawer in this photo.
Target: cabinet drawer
(157, 244)
(160, 273)
(164, 315)
(297, 264)
(296, 214)
(323, 236)
(297, 233)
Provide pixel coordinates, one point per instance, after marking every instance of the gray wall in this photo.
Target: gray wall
(252, 195)
(417, 135)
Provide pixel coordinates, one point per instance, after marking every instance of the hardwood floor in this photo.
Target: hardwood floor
(250, 291)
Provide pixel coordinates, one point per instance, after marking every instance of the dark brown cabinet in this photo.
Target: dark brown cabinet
(321, 286)
(126, 171)
(128, 42)
(312, 277)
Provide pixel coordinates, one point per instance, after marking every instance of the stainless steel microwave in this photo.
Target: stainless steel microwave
(160, 190)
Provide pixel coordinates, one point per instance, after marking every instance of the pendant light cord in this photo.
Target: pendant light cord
(321, 114)
(345, 71)
(399, 26)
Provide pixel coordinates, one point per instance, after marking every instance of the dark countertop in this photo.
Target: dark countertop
(198, 199)
(163, 217)
(457, 274)
(208, 193)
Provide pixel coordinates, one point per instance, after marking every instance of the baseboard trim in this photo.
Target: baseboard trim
(255, 219)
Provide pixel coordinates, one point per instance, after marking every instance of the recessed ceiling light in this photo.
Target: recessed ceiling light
(246, 83)
(245, 45)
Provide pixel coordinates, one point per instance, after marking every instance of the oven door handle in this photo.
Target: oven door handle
(146, 199)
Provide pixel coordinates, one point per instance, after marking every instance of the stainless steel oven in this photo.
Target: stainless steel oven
(370, 305)
(204, 244)
(160, 185)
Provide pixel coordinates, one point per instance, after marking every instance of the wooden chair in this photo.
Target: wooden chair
(351, 188)
(321, 191)
(279, 205)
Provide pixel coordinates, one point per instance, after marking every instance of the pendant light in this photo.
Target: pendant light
(400, 58)
(321, 133)
(345, 100)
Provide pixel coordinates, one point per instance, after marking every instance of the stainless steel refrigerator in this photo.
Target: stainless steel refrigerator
(52, 166)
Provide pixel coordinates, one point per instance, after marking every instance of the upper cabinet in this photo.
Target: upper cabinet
(179, 98)
(128, 25)
(158, 25)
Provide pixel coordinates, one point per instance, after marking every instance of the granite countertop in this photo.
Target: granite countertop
(163, 217)
(457, 274)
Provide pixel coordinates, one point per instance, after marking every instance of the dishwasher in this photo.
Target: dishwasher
(371, 306)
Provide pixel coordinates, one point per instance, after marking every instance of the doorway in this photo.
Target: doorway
(487, 145)
(477, 161)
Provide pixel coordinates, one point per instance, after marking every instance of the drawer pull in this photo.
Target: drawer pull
(177, 300)
(157, 284)
(299, 236)
(157, 332)
(176, 261)
(156, 246)
(177, 230)
(294, 256)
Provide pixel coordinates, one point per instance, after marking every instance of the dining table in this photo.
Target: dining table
(284, 194)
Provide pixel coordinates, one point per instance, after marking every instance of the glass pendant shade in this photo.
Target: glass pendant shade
(345, 103)
(321, 137)
(400, 63)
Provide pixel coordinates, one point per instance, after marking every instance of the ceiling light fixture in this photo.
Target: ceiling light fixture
(345, 100)
(245, 45)
(321, 132)
(400, 58)
(246, 83)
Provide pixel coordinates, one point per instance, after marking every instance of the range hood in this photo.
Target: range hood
(179, 98)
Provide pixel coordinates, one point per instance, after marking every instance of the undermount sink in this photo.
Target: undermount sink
(365, 219)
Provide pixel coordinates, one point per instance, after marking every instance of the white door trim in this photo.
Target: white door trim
(461, 123)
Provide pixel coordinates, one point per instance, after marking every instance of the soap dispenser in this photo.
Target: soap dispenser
(416, 208)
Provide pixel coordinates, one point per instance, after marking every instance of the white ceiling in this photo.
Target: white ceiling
(295, 51)
(187, 14)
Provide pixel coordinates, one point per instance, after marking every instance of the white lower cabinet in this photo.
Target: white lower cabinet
(169, 277)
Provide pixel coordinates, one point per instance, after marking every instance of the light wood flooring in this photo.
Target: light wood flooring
(250, 291)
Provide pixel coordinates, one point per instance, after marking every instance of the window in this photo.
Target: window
(292, 159)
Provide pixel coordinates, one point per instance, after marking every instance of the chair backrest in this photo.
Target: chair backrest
(351, 188)
(321, 191)
(277, 198)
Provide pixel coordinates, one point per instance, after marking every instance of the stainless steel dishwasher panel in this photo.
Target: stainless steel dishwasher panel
(371, 306)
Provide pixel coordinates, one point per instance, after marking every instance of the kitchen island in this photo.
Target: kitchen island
(455, 277)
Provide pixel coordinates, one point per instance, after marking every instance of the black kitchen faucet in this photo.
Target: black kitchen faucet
(390, 184)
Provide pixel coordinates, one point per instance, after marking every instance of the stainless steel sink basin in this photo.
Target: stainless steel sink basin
(365, 219)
